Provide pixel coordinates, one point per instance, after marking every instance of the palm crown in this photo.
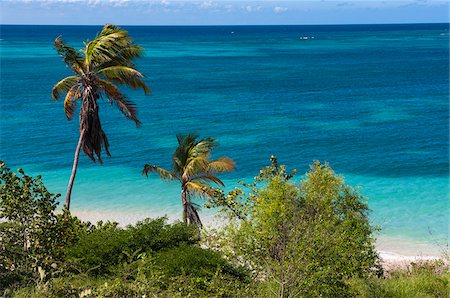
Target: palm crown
(103, 63)
(193, 168)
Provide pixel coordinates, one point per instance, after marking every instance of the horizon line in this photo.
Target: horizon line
(223, 25)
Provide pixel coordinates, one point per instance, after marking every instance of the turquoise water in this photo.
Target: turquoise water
(371, 100)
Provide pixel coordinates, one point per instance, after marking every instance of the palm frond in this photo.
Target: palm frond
(63, 86)
(182, 152)
(125, 75)
(187, 140)
(201, 189)
(70, 101)
(164, 174)
(221, 165)
(104, 48)
(208, 178)
(70, 56)
(112, 46)
(195, 165)
(127, 107)
(192, 156)
(108, 29)
(203, 147)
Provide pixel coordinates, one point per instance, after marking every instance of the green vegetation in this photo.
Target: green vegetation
(106, 61)
(423, 279)
(302, 239)
(44, 254)
(284, 239)
(281, 239)
(194, 169)
(32, 236)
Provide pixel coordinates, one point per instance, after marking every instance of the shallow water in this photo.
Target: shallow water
(370, 100)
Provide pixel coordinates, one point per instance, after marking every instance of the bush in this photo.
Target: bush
(181, 271)
(195, 261)
(32, 236)
(107, 245)
(156, 234)
(191, 271)
(302, 239)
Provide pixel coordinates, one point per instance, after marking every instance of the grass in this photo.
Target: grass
(422, 279)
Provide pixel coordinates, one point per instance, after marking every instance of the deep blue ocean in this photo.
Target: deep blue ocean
(372, 100)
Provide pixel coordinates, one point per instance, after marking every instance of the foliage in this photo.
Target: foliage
(108, 245)
(193, 168)
(195, 261)
(422, 279)
(178, 286)
(32, 235)
(235, 204)
(193, 271)
(171, 267)
(302, 239)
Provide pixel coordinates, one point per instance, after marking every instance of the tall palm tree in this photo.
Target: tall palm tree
(193, 168)
(104, 62)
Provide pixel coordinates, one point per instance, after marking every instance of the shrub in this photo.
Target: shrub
(107, 245)
(180, 271)
(301, 239)
(156, 234)
(191, 271)
(32, 236)
(195, 261)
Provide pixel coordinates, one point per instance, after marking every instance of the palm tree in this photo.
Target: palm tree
(193, 168)
(104, 62)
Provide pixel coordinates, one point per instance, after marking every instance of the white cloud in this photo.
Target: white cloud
(93, 3)
(251, 8)
(206, 4)
(118, 3)
(279, 9)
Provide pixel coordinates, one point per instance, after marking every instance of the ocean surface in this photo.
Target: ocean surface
(372, 100)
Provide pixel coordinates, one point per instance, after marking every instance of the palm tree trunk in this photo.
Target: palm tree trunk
(185, 203)
(74, 171)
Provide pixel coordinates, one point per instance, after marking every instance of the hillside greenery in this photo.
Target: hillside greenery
(282, 238)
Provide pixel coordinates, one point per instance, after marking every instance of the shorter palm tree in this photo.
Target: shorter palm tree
(193, 168)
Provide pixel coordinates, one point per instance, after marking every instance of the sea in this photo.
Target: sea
(371, 100)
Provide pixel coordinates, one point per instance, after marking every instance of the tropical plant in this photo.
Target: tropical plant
(107, 245)
(193, 168)
(32, 235)
(106, 61)
(301, 239)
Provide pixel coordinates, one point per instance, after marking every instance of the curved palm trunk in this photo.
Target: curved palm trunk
(184, 202)
(190, 214)
(74, 171)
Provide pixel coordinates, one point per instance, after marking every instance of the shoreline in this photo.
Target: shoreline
(395, 251)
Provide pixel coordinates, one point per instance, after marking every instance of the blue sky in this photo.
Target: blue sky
(225, 12)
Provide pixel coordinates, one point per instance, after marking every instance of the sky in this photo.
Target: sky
(223, 12)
